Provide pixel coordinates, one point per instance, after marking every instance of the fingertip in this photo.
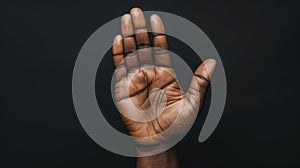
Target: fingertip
(125, 18)
(206, 69)
(210, 65)
(126, 25)
(117, 47)
(157, 25)
(117, 39)
(138, 18)
(136, 10)
(154, 17)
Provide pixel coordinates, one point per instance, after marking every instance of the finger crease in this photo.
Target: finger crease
(202, 78)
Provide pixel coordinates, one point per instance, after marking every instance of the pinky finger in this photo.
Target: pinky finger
(118, 57)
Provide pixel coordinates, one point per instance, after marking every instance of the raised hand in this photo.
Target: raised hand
(147, 93)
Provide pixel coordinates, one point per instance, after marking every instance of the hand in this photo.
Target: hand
(146, 83)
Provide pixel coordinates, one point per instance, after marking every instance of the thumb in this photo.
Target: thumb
(200, 82)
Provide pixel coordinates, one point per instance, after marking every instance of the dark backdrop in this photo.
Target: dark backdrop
(258, 43)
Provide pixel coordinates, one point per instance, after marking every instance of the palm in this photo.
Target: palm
(147, 92)
(157, 92)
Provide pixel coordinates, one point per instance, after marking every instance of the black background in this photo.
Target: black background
(258, 43)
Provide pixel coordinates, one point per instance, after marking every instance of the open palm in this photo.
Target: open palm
(147, 92)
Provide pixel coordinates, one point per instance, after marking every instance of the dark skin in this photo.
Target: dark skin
(141, 73)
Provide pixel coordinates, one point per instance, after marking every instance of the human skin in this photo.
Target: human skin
(140, 71)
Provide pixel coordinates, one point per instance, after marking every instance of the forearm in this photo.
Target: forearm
(167, 159)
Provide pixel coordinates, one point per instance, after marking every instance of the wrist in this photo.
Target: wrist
(167, 159)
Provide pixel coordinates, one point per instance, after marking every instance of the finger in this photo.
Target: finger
(200, 82)
(118, 57)
(140, 28)
(162, 55)
(117, 50)
(131, 59)
(141, 36)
